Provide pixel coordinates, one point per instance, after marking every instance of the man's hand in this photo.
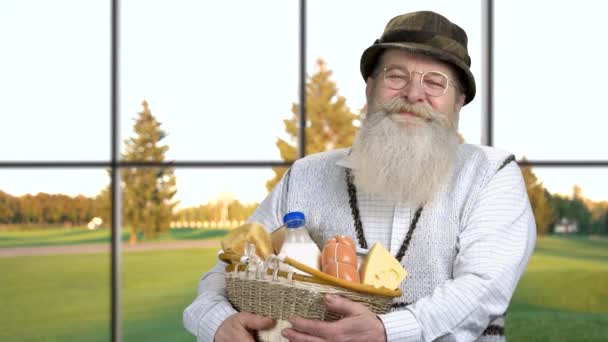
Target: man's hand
(358, 324)
(241, 327)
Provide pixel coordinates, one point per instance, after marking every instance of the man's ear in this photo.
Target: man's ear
(369, 87)
(459, 103)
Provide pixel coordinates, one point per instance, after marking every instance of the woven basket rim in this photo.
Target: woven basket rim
(316, 277)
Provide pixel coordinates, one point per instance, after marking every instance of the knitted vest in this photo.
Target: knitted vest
(317, 187)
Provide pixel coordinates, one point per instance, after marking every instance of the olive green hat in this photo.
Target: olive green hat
(427, 33)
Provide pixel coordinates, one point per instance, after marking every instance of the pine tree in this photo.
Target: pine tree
(579, 210)
(147, 192)
(543, 213)
(329, 121)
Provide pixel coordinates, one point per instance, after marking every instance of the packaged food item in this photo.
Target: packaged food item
(236, 241)
(298, 245)
(339, 258)
(381, 269)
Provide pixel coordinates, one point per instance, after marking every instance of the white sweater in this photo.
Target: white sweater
(467, 252)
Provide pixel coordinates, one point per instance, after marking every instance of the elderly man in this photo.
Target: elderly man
(456, 216)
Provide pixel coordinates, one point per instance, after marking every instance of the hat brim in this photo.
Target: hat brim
(370, 56)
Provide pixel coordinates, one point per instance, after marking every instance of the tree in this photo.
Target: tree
(8, 207)
(329, 121)
(579, 210)
(45, 209)
(599, 216)
(83, 209)
(213, 211)
(539, 200)
(573, 208)
(103, 204)
(147, 192)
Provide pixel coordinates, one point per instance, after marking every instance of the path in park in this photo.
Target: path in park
(105, 248)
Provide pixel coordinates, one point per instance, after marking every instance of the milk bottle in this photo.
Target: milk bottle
(298, 245)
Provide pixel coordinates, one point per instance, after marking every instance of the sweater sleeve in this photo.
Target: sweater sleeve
(494, 247)
(203, 317)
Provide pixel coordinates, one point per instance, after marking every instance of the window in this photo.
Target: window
(72, 91)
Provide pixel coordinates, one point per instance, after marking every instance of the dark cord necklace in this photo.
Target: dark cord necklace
(354, 207)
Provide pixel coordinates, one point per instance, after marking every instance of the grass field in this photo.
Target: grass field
(75, 236)
(563, 295)
(66, 297)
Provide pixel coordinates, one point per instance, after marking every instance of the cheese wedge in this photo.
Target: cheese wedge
(381, 269)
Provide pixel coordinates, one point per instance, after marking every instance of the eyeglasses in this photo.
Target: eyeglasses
(434, 83)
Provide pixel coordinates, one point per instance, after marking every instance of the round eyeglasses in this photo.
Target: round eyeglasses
(434, 83)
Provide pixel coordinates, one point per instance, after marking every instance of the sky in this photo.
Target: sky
(222, 75)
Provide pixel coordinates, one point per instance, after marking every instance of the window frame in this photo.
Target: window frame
(115, 164)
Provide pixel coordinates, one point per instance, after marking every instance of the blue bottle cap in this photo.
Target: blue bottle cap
(294, 219)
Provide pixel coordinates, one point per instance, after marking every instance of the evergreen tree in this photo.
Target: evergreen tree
(329, 121)
(574, 209)
(147, 192)
(579, 210)
(543, 213)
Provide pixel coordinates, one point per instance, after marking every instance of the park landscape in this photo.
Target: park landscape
(563, 295)
(56, 278)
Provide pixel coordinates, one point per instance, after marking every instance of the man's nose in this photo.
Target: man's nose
(414, 92)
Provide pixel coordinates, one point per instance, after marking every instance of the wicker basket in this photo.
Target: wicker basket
(259, 287)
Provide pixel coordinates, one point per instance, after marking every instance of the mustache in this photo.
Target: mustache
(398, 105)
(423, 110)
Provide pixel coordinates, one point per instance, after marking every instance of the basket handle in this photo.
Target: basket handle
(382, 291)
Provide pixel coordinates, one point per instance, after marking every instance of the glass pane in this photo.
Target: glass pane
(219, 80)
(54, 256)
(545, 80)
(562, 294)
(55, 83)
(342, 45)
(587, 184)
(154, 291)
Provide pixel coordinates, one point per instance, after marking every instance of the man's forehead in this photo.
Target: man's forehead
(396, 57)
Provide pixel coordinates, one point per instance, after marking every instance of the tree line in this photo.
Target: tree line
(47, 209)
(54, 210)
(216, 211)
(551, 209)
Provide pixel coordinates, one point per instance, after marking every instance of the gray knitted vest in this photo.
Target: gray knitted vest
(317, 187)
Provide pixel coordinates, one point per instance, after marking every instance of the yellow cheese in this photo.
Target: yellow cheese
(381, 269)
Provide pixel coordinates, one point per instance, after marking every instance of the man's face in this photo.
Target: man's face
(408, 141)
(414, 93)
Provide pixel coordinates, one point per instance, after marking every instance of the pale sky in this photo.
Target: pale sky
(221, 77)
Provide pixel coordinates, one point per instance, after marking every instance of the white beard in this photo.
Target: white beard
(400, 161)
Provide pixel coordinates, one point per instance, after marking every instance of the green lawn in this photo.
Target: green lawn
(75, 236)
(563, 295)
(66, 297)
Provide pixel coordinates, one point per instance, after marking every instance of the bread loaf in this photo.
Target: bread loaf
(253, 232)
(278, 237)
(339, 258)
